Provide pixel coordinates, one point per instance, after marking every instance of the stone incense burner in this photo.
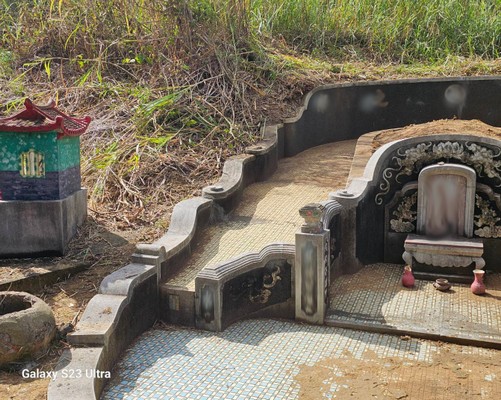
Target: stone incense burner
(27, 326)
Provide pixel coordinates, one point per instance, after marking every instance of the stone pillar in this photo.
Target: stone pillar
(348, 261)
(312, 266)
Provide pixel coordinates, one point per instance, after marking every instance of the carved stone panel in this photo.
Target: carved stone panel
(257, 289)
(407, 162)
(487, 217)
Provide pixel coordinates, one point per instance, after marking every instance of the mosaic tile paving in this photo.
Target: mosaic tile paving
(266, 359)
(269, 211)
(375, 296)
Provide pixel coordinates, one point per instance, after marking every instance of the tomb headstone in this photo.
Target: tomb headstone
(446, 201)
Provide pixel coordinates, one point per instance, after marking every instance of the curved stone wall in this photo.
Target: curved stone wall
(347, 111)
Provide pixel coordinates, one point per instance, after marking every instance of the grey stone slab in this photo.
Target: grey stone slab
(415, 332)
(123, 281)
(37, 281)
(31, 228)
(76, 362)
(98, 320)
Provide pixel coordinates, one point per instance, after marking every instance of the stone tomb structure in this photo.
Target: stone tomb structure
(433, 200)
(291, 277)
(41, 199)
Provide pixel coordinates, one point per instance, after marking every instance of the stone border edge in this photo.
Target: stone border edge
(257, 163)
(97, 329)
(97, 341)
(227, 270)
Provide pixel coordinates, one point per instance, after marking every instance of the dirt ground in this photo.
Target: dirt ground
(453, 375)
(442, 126)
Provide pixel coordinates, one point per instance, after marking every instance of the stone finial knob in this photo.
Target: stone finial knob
(312, 214)
(216, 188)
(344, 193)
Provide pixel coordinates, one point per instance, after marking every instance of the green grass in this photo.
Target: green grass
(97, 34)
(382, 29)
(403, 30)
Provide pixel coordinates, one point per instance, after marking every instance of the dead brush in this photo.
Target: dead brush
(168, 108)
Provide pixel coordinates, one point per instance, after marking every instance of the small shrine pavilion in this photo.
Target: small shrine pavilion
(41, 199)
(40, 154)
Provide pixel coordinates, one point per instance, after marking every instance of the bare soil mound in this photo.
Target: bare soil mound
(439, 127)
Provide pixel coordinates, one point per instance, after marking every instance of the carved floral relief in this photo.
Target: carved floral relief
(487, 219)
(482, 159)
(405, 215)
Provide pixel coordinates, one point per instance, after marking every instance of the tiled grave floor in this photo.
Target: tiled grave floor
(266, 359)
(375, 297)
(269, 211)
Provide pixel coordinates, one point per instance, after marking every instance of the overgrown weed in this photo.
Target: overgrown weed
(175, 87)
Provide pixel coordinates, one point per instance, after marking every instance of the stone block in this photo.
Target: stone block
(218, 303)
(33, 228)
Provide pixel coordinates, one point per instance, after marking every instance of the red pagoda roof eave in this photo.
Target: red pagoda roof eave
(50, 119)
(34, 129)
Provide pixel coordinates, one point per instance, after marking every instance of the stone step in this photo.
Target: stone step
(177, 305)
